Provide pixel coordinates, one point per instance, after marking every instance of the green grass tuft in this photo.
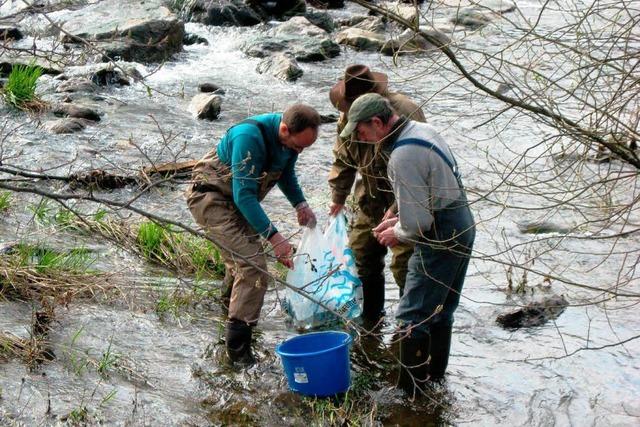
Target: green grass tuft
(20, 88)
(5, 201)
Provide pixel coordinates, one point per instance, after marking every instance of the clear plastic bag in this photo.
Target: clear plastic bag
(325, 270)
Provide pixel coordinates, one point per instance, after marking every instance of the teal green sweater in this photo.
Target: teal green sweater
(244, 150)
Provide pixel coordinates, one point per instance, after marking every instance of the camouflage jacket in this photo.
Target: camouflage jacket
(373, 191)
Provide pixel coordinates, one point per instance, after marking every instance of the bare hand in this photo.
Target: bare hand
(335, 209)
(387, 237)
(306, 217)
(385, 224)
(389, 213)
(282, 249)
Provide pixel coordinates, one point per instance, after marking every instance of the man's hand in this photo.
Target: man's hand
(335, 209)
(282, 249)
(384, 225)
(387, 237)
(305, 215)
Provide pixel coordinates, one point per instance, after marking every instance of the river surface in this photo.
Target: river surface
(169, 369)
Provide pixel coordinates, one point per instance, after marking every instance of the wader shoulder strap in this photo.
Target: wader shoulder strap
(430, 145)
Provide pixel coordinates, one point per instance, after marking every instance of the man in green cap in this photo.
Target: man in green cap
(433, 213)
(372, 192)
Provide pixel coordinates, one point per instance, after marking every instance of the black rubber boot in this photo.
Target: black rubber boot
(414, 354)
(440, 347)
(238, 338)
(373, 296)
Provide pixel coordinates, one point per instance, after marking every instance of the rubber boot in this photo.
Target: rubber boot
(414, 355)
(238, 338)
(373, 296)
(440, 347)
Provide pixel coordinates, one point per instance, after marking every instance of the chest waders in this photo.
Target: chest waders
(436, 275)
(210, 201)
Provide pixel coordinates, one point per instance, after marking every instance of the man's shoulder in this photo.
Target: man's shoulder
(404, 106)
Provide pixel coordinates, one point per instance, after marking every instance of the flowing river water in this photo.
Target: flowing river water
(170, 370)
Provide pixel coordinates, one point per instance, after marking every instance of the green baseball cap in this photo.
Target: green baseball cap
(364, 108)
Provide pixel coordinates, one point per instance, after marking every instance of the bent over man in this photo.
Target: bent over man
(372, 191)
(229, 184)
(434, 214)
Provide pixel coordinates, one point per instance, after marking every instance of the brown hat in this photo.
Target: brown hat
(358, 80)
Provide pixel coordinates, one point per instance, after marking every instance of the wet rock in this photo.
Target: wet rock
(144, 31)
(224, 12)
(481, 14)
(119, 73)
(361, 39)
(7, 62)
(278, 9)
(206, 106)
(240, 13)
(77, 84)
(543, 227)
(77, 111)
(298, 25)
(327, 4)
(329, 118)
(191, 39)
(211, 88)
(374, 24)
(299, 37)
(67, 125)
(534, 314)
(282, 66)
(264, 47)
(410, 13)
(410, 42)
(321, 19)
(10, 33)
(108, 77)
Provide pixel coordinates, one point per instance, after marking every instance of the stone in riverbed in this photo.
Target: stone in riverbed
(282, 66)
(410, 42)
(482, 13)
(76, 111)
(211, 88)
(206, 106)
(77, 84)
(298, 37)
(67, 125)
(361, 39)
(10, 33)
(535, 313)
(138, 30)
(191, 39)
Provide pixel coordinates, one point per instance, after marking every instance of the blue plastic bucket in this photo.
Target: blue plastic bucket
(317, 364)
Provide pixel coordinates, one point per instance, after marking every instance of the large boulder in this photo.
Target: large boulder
(142, 31)
(282, 66)
(410, 42)
(299, 37)
(361, 39)
(482, 13)
(219, 13)
(240, 13)
(409, 13)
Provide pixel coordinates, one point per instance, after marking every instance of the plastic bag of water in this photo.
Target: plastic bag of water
(325, 272)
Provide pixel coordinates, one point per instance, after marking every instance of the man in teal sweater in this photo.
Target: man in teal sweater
(229, 184)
